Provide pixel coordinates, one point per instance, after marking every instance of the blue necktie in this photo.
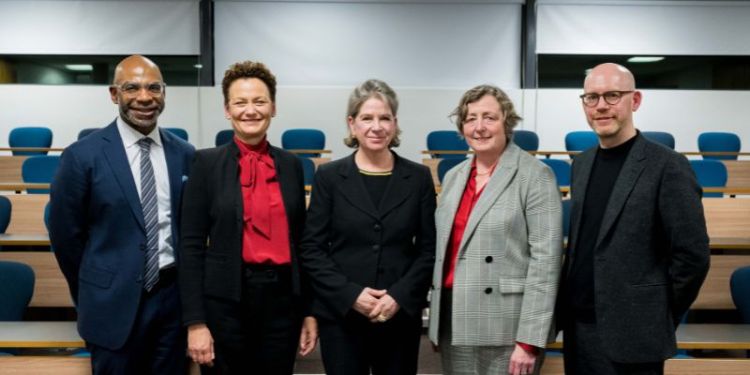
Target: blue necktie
(149, 205)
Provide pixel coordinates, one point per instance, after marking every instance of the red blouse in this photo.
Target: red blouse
(265, 235)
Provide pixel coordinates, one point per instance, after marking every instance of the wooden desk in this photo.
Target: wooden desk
(33, 149)
(24, 239)
(22, 186)
(10, 168)
(50, 287)
(40, 335)
(738, 173)
(729, 243)
(27, 215)
(727, 217)
(307, 151)
(715, 293)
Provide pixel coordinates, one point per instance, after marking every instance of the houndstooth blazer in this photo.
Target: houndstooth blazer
(509, 260)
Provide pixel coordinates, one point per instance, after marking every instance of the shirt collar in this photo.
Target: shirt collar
(131, 136)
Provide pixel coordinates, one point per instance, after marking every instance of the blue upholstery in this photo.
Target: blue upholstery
(446, 164)
(17, 287)
(665, 138)
(180, 132)
(561, 169)
(304, 139)
(580, 140)
(39, 169)
(710, 173)
(308, 168)
(31, 136)
(566, 217)
(527, 140)
(719, 142)
(84, 132)
(739, 284)
(223, 137)
(6, 207)
(446, 140)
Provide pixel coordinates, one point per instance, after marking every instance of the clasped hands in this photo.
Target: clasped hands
(376, 304)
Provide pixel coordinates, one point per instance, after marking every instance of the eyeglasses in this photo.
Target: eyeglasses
(132, 89)
(610, 97)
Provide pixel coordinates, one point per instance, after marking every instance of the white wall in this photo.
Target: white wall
(551, 113)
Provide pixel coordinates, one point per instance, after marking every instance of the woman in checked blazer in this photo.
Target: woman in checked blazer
(499, 246)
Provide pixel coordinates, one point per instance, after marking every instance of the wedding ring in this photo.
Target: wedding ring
(382, 318)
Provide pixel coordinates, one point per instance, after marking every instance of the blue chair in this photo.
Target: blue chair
(580, 141)
(739, 284)
(447, 164)
(180, 132)
(446, 140)
(566, 217)
(6, 207)
(308, 169)
(304, 139)
(561, 169)
(84, 132)
(16, 289)
(667, 139)
(527, 140)
(223, 137)
(31, 136)
(719, 142)
(39, 169)
(710, 173)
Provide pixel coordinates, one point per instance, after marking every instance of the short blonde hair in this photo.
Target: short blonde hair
(372, 88)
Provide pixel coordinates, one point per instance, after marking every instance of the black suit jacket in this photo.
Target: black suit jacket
(349, 244)
(651, 255)
(212, 226)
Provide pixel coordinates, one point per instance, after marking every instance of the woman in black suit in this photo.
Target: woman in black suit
(369, 244)
(243, 211)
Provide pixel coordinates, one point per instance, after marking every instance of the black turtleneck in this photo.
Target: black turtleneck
(604, 173)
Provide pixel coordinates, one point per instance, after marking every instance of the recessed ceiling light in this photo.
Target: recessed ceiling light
(79, 67)
(645, 59)
(198, 66)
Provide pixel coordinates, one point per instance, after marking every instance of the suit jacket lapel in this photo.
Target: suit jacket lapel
(353, 188)
(450, 197)
(287, 182)
(115, 154)
(175, 170)
(629, 174)
(231, 177)
(501, 178)
(395, 193)
(583, 163)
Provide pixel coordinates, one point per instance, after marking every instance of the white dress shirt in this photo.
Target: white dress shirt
(130, 138)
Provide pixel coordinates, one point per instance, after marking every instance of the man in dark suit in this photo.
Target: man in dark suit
(638, 248)
(114, 205)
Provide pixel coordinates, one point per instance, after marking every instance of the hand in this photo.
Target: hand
(521, 362)
(309, 336)
(367, 300)
(200, 345)
(386, 306)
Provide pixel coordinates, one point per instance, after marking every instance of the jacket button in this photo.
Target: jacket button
(375, 247)
(488, 291)
(488, 259)
(376, 227)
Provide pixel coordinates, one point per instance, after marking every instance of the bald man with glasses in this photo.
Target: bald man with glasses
(638, 249)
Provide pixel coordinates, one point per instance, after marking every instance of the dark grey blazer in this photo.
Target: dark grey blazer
(651, 255)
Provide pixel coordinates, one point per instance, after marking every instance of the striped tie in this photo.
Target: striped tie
(150, 215)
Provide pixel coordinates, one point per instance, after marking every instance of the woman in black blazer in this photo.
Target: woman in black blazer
(369, 244)
(242, 214)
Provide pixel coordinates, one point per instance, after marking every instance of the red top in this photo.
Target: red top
(265, 235)
(468, 200)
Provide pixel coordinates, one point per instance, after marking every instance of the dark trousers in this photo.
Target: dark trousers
(355, 346)
(260, 334)
(157, 342)
(583, 355)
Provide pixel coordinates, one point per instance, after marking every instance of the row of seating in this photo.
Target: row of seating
(576, 141)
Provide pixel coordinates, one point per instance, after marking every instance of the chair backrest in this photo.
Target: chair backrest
(5, 210)
(710, 173)
(665, 138)
(719, 142)
(304, 139)
(223, 137)
(16, 289)
(526, 139)
(84, 132)
(39, 169)
(308, 169)
(180, 132)
(30, 136)
(566, 216)
(447, 164)
(580, 140)
(739, 284)
(561, 169)
(446, 140)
